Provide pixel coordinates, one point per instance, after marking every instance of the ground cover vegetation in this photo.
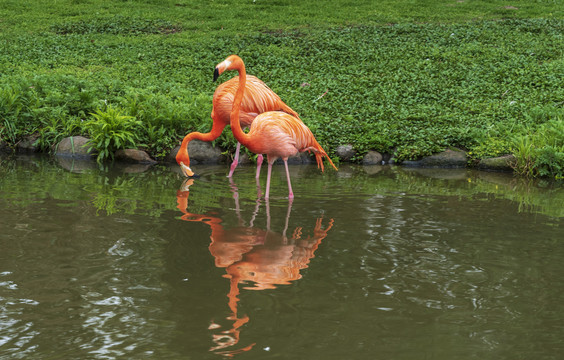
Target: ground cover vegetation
(400, 77)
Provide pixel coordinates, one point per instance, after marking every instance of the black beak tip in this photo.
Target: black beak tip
(195, 176)
(215, 74)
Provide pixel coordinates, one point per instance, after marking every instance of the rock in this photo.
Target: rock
(201, 152)
(446, 159)
(244, 159)
(345, 152)
(74, 146)
(26, 145)
(501, 163)
(301, 158)
(4, 148)
(133, 156)
(171, 157)
(372, 158)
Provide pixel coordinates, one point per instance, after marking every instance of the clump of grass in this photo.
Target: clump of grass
(166, 118)
(109, 131)
(541, 153)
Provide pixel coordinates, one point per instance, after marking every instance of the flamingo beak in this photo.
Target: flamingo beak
(186, 170)
(186, 185)
(220, 68)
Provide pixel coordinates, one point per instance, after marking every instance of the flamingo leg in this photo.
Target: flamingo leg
(290, 192)
(235, 160)
(259, 163)
(266, 195)
(287, 220)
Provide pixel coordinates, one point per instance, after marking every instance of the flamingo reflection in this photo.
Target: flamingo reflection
(253, 258)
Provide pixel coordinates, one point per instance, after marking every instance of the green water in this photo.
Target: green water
(366, 263)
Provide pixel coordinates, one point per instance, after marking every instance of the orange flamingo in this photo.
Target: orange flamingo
(258, 99)
(256, 258)
(274, 133)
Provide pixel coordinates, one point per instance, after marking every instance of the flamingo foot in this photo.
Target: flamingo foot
(232, 169)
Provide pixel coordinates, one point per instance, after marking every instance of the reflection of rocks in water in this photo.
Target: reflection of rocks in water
(346, 171)
(131, 168)
(439, 173)
(76, 165)
(498, 178)
(373, 169)
(133, 156)
(73, 154)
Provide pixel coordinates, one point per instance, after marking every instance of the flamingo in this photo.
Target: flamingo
(258, 99)
(276, 134)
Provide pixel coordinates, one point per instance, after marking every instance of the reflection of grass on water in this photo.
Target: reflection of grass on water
(154, 192)
(535, 196)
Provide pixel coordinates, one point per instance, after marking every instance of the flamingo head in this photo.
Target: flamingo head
(186, 170)
(184, 161)
(232, 62)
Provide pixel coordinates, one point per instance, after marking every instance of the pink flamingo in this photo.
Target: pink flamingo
(258, 99)
(276, 134)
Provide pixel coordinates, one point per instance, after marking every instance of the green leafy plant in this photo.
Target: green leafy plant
(109, 131)
(13, 111)
(411, 80)
(117, 24)
(541, 153)
(490, 147)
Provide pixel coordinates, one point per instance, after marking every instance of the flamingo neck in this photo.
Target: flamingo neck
(239, 134)
(182, 155)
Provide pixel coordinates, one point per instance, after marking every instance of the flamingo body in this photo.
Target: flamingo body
(280, 135)
(277, 134)
(258, 98)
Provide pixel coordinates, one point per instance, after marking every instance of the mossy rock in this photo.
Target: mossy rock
(501, 163)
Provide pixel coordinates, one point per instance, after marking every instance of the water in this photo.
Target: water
(376, 262)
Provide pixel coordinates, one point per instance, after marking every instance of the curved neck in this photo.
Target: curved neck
(216, 130)
(243, 138)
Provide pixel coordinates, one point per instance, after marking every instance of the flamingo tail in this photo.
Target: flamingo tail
(288, 110)
(319, 155)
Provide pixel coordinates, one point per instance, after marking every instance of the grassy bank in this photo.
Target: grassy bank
(403, 77)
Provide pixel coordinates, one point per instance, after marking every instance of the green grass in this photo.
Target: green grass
(405, 77)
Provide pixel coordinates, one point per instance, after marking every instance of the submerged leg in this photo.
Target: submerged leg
(259, 163)
(268, 180)
(290, 192)
(235, 160)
